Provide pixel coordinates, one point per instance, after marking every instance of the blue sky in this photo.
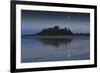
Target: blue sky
(34, 21)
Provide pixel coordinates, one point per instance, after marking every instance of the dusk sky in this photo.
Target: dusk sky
(34, 21)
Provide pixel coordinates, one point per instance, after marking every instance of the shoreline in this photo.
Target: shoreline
(53, 37)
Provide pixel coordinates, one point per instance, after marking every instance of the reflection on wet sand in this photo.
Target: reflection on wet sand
(56, 42)
(54, 49)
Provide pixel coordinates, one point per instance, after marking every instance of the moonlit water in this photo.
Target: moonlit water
(63, 49)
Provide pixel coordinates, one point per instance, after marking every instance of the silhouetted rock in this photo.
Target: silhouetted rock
(55, 31)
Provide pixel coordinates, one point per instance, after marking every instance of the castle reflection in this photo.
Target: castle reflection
(55, 41)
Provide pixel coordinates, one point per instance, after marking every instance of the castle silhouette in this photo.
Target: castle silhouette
(55, 31)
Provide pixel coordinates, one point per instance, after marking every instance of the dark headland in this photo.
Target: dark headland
(56, 32)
